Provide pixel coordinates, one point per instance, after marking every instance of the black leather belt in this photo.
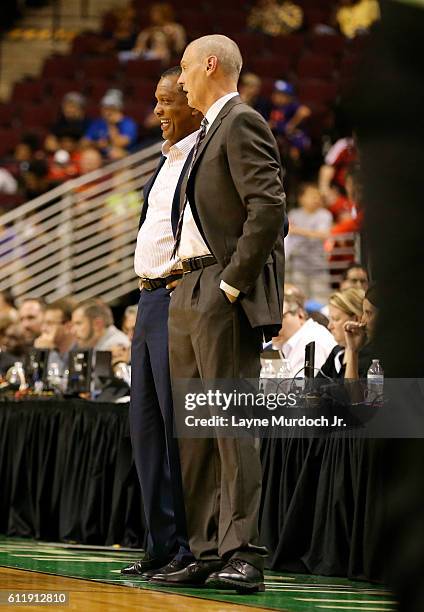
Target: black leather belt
(150, 284)
(197, 263)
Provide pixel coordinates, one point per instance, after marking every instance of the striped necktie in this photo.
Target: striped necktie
(200, 137)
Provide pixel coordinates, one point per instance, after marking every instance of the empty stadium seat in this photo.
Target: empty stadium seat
(7, 112)
(141, 89)
(9, 138)
(315, 66)
(28, 91)
(60, 67)
(275, 67)
(317, 90)
(39, 115)
(150, 69)
(291, 45)
(328, 44)
(100, 67)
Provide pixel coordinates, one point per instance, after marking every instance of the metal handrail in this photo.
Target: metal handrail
(72, 240)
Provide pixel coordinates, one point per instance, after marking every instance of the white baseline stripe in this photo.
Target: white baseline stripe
(355, 608)
(364, 601)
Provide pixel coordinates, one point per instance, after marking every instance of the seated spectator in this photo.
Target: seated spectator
(287, 116)
(162, 40)
(92, 323)
(124, 34)
(65, 162)
(90, 160)
(6, 360)
(250, 88)
(7, 305)
(296, 332)
(355, 276)
(275, 18)
(113, 129)
(56, 332)
(30, 316)
(72, 122)
(359, 336)
(26, 151)
(332, 175)
(14, 347)
(340, 246)
(36, 179)
(343, 306)
(306, 260)
(128, 323)
(356, 16)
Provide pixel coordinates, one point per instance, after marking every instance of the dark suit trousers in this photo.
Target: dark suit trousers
(211, 338)
(151, 423)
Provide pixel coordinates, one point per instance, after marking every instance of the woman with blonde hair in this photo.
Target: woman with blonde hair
(343, 306)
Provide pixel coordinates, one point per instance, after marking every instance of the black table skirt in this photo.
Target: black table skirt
(66, 474)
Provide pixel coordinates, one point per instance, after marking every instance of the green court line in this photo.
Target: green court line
(288, 592)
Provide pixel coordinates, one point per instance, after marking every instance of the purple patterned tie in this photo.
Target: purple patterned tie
(200, 136)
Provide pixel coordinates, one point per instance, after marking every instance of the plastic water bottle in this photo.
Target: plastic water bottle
(16, 375)
(285, 376)
(268, 373)
(53, 377)
(285, 370)
(375, 383)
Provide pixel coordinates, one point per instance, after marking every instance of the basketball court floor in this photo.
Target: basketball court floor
(90, 577)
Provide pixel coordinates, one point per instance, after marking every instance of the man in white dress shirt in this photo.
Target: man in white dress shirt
(151, 413)
(296, 332)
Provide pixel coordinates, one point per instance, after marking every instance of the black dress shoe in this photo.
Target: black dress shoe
(143, 565)
(237, 575)
(173, 566)
(193, 575)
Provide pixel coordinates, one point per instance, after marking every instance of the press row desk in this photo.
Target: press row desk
(66, 474)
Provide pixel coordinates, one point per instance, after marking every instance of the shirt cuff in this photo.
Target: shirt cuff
(228, 289)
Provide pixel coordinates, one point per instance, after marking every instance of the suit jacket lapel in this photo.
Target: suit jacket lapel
(175, 212)
(147, 188)
(215, 125)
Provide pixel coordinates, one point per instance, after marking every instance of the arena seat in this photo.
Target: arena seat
(29, 90)
(315, 66)
(150, 69)
(327, 44)
(60, 67)
(39, 115)
(141, 89)
(291, 45)
(7, 112)
(276, 67)
(317, 90)
(100, 67)
(57, 88)
(9, 138)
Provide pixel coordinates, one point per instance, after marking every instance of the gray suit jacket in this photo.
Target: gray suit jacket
(237, 198)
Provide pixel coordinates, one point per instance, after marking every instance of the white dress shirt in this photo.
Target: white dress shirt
(294, 348)
(155, 240)
(192, 243)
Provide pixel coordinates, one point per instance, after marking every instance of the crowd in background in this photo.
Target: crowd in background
(45, 157)
(321, 176)
(66, 325)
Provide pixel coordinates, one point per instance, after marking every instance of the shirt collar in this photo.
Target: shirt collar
(217, 106)
(293, 340)
(181, 148)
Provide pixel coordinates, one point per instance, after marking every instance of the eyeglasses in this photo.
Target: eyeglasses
(361, 281)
